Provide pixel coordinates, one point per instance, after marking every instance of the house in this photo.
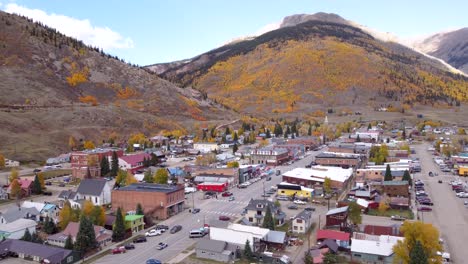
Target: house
(40, 253)
(269, 156)
(337, 217)
(206, 147)
(46, 210)
(11, 163)
(3, 194)
(134, 222)
(133, 162)
(309, 143)
(237, 234)
(256, 209)
(318, 254)
(26, 187)
(159, 140)
(294, 190)
(316, 176)
(275, 240)
(15, 213)
(17, 228)
(341, 238)
(159, 200)
(216, 250)
(97, 191)
(330, 244)
(302, 222)
(373, 249)
(103, 236)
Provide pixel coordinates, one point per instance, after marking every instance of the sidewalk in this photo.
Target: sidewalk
(181, 257)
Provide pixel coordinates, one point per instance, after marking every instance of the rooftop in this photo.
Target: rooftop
(393, 183)
(133, 217)
(338, 155)
(332, 234)
(382, 247)
(211, 245)
(151, 187)
(52, 254)
(91, 186)
(318, 173)
(17, 225)
(338, 210)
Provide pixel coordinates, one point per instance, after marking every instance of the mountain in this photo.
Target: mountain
(297, 19)
(55, 87)
(318, 65)
(452, 47)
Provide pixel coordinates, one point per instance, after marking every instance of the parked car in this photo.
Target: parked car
(36, 170)
(140, 239)
(427, 202)
(62, 184)
(282, 198)
(431, 174)
(224, 218)
(129, 246)
(175, 229)
(398, 218)
(153, 232)
(161, 246)
(153, 261)
(424, 209)
(195, 210)
(226, 194)
(231, 198)
(439, 181)
(292, 206)
(312, 209)
(118, 250)
(299, 202)
(163, 228)
(47, 193)
(48, 183)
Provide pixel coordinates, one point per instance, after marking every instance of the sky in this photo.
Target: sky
(145, 32)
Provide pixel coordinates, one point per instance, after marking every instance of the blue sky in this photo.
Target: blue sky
(146, 32)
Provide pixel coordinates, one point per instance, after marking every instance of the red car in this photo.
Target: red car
(224, 218)
(424, 209)
(119, 250)
(226, 194)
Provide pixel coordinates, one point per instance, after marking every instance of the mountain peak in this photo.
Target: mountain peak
(296, 19)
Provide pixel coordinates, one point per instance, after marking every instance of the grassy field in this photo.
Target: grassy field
(408, 214)
(54, 173)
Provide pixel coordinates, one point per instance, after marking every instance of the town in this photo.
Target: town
(234, 194)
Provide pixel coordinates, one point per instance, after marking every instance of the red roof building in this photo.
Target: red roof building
(393, 230)
(133, 162)
(323, 234)
(26, 187)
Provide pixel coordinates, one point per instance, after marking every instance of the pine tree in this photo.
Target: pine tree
(49, 226)
(236, 137)
(69, 243)
(85, 238)
(358, 138)
(148, 177)
(105, 170)
(417, 255)
(36, 188)
(139, 209)
(27, 236)
(309, 131)
(268, 133)
(268, 221)
(114, 164)
(248, 250)
(388, 174)
(227, 132)
(234, 149)
(118, 231)
(407, 177)
(36, 239)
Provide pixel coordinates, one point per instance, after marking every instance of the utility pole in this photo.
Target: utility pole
(193, 201)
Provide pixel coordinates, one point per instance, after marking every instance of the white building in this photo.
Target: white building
(17, 228)
(238, 234)
(97, 191)
(302, 222)
(317, 174)
(373, 249)
(206, 147)
(46, 210)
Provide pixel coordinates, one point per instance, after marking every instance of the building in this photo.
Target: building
(159, 200)
(378, 174)
(87, 163)
(15, 213)
(206, 147)
(46, 210)
(342, 147)
(344, 160)
(17, 228)
(341, 238)
(26, 187)
(269, 155)
(309, 143)
(97, 191)
(133, 162)
(294, 190)
(40, 253)
(393, 230)
(373, 249)
(237, 234)
(294, 150)
(134, 222)
(395, 188)
(216, 250)
(217, 175)
(213, 186)
(316, 176)
(256, 209)
(103, 236)
(11, 163)
(337, 217)
(302, 222)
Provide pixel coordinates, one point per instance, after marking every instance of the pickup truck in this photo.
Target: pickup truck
(398, 218)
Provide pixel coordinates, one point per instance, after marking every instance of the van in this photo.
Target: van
(196, 233)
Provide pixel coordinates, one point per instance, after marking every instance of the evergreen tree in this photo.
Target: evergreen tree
(119, 227)
(139, 209)
(236, 137)
(154, 160)
(85, 238)
(69, 243)
(36, 239)
(294, 129)
(369, 127)
(388, 174)
(227, 132)
(234, 149)
(104, 167)
(309, 131)
(248, 250)
(417, 254)
(114, 164)
(268, 221)
(407, 177)
(36, 188)
(403, 135)
(49, 226)
(26, 236)
(358, 138)
(148, 177)
(268, 133)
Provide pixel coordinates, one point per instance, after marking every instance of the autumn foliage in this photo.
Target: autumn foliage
(89, 99)
(77, 75)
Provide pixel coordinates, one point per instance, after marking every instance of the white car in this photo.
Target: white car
(153, 232)
(299, 202)
(461, 194)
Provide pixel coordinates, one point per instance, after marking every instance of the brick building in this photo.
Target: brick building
(316, 175)
(345, 160)
(393, 188)
(309, 143)
(159, 200)
(81, 161)
(269, 155)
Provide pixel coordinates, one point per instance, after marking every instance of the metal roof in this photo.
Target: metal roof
(91, 186)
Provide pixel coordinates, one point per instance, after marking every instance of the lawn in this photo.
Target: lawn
(56, 173)
(408, 214)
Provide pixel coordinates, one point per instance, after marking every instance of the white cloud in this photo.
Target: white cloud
(102, 37)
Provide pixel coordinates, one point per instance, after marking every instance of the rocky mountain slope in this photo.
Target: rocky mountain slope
(452, 47)
(54, 86)
(318, 64)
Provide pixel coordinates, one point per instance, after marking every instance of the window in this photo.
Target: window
(295, 227)
(70, 259)
(299, 221)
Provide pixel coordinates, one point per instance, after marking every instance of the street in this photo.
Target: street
(449, 214)
(210, 209)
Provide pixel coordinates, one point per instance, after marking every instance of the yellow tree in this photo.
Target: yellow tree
(383, 205)
(161, 176)
(87, 208)
(40, 176)
(13, 175)
(88, 144)
(426, 234)
(72, 142)
(130, 179)
(138, 138)
(120, 179)
(92, 160)
(233, 164)
(15, 189)
(327, 185)
(2, 161)
(65, 215)
(263, 143)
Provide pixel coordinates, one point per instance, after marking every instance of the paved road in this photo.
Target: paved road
(210, 209)
(449, 213)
